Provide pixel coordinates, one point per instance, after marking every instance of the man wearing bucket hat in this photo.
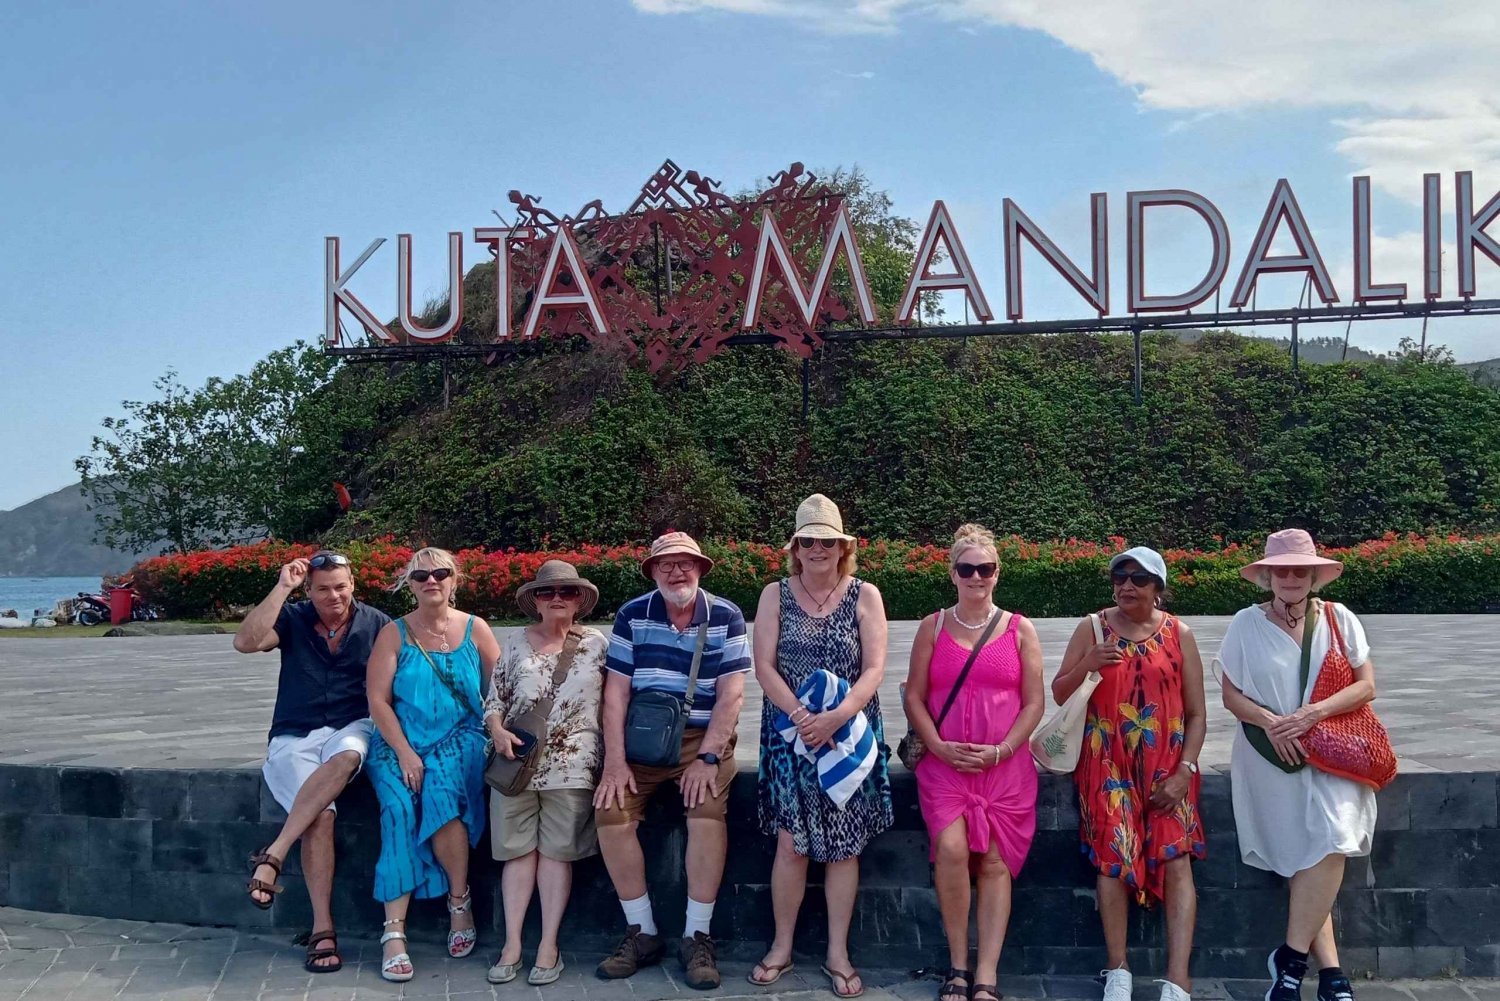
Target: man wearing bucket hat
(1299, 822)
(546, 690)
(662, 640)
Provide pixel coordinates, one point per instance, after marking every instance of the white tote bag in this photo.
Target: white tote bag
(1056, 743)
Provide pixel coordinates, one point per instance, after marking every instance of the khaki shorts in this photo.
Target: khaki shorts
(559, 823)
(648, 780)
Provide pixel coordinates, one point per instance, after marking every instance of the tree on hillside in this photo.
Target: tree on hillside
(230, 462)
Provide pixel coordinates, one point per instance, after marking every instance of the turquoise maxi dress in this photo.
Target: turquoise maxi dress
(439, 711)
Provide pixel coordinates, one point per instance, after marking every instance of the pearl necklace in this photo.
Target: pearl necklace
(987, 616)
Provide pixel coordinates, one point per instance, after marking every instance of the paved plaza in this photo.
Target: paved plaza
(192, 701)
(56, 957)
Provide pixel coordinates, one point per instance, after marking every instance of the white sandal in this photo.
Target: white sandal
(388, 968)
(461, 943)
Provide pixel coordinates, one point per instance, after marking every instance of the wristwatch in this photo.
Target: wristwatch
(710, 758)
(1192, 766)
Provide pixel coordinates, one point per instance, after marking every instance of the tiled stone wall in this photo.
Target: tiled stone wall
(170, 845)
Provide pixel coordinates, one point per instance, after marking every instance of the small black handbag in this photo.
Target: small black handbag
(654, 721)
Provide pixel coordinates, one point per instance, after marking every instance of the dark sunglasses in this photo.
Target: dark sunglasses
(420, 576)
(807, 543)
(322, 560)
(548, 593)
(1140, 578)
(984, 570)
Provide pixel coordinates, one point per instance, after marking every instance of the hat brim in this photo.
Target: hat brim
(703, 561)
(1324, 570)
(526, 601)
(816, 532)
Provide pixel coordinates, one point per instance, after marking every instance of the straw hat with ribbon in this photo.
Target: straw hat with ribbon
(818, 518)
(1292, 547)
(675, 544)
(557, 573)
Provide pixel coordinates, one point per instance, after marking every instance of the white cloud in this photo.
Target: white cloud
(1410, 85)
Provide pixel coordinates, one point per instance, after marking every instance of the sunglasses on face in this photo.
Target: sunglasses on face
(1297, 572)
(807, 543)
(984, 570)
(440, 574)
(548, 593)
(1140, 578)
(322, 560)
(673, 566)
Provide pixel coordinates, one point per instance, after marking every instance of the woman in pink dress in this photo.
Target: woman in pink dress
(976, 784)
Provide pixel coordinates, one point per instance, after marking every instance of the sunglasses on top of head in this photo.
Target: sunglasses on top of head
(322, 560)
(421, 576)
(1140, 578)
(984, 570)
(807, 543)
(548, 593)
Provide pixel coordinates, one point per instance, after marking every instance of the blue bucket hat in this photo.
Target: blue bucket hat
(1148, 559)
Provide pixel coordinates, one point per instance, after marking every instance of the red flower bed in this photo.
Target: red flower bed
(1407, 573)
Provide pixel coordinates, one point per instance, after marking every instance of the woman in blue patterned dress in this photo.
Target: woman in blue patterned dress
(821, 618)
(427, 760)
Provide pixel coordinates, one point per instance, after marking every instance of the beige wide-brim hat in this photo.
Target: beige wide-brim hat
(675, 544)
(1293, 547)
(818, 518)
(557, 573)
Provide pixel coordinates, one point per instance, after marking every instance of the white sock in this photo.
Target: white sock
(699, 916)
(638, 912)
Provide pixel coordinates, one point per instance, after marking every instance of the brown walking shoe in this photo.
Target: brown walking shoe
(634, 951)
(699, 962)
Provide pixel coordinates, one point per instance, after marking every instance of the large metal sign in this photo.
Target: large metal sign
(685, 271)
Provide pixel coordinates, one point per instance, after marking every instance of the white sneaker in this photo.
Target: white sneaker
(1171, 992)
(1118, 984)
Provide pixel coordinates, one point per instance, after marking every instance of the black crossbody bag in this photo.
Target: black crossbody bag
(655, 721)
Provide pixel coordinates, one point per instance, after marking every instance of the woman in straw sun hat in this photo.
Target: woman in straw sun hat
(824, 789)
(541, 832)
(1301, 824)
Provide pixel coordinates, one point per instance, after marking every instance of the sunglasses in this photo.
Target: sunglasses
(1297, 572)
(548, 593)
(673, 566)
(984, 570)
(807, 543)
(322, 560)
(1140, 578)
(420, 576)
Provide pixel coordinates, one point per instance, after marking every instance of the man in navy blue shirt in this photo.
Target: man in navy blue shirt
(320, 730)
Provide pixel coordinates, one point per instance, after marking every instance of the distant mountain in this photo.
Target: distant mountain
(51, 537)
(1486, 373)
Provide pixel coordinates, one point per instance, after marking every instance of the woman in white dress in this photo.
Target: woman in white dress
(1291, 818)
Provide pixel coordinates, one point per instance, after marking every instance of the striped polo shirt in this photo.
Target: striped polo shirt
(648, 650)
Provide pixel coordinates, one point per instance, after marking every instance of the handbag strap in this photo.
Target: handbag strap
(1307, 637)
(984, 638)
(543, 707)
(692, 682)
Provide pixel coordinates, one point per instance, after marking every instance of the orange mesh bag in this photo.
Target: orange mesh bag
(1353, 745)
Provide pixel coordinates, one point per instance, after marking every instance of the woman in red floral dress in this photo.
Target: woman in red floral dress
(1137, 774)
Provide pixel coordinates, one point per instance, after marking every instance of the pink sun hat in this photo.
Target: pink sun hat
(1293, 547)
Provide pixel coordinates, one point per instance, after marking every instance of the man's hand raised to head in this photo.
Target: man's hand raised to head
(293, 574)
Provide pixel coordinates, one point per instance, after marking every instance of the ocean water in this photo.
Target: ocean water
(26, 594)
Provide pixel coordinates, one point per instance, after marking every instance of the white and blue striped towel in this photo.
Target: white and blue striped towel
(843, 765)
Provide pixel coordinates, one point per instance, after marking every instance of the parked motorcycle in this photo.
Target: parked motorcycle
(93, 609)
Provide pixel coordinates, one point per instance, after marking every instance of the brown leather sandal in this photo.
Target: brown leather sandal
(991, 989)
(314, 955)
(959, 991)
(260, 858)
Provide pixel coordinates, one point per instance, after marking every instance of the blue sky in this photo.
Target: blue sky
(173, 168)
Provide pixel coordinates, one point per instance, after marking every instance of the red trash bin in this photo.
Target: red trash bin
(121, 604)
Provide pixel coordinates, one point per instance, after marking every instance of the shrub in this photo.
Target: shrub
(1392, 574)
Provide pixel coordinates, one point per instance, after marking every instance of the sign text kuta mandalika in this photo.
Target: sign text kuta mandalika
(686, 270)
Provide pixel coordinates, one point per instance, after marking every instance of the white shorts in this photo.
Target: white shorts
(291, 760)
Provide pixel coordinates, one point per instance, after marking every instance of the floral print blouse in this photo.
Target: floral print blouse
(574, 750)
